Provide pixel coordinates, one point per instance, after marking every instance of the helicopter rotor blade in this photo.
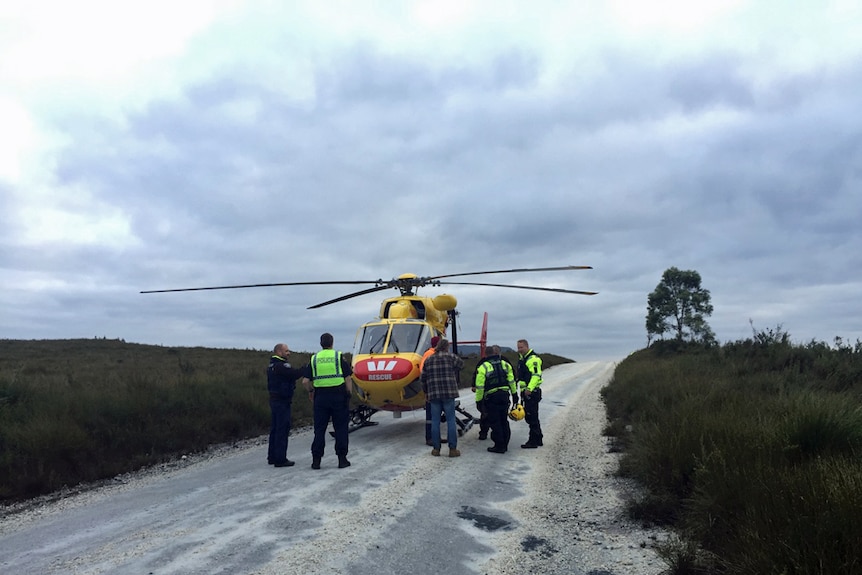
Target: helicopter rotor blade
(558, 268)
(405, 283)
(558, 290)
(264, 285)
(352, 295)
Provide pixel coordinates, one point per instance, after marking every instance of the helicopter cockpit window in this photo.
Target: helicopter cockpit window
(406, 337)
(425, 340)
(373, 339)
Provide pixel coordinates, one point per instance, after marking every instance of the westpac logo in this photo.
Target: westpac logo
(383, 369)
(381, 365)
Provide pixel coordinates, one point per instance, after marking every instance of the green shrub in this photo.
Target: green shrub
(74, 411)
(751, 450)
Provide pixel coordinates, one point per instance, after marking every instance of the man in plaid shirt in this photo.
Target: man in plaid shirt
(440, 384)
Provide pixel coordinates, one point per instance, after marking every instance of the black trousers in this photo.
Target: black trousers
(329, 406)
(279, 428)
(497, 410)
(483, 418)
(531, 415)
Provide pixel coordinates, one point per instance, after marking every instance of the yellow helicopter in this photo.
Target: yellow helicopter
(387, 351)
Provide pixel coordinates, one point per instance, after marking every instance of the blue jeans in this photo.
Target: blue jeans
(427, 421)
(446, 406)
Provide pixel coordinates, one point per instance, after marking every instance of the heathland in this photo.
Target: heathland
(84, 410)
(751, 451)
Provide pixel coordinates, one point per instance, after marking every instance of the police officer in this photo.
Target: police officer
(280, 382)
(480, 404)
(330, 385)
(530, 376)
(495, 384)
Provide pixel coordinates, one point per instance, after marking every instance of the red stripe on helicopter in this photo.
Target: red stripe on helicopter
(383, 369)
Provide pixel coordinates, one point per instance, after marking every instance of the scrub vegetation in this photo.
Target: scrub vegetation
(85, 410)
(75, 411)
(751, 451)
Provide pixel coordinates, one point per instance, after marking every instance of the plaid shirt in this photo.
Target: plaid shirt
(440, 375)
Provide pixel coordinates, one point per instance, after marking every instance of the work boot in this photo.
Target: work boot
(315, 463)
(342, 462)
(435, 452)
(454, 452)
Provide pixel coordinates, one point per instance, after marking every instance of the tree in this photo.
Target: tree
(679, 304)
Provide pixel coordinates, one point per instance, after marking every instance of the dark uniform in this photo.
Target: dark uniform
(495, 385)
(480, 403)
(280, 381)
(530, 376)
(327, 370)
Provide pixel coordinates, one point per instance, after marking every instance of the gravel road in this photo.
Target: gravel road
(397, 509)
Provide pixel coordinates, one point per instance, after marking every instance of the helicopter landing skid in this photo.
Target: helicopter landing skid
(360, 417)
(464, 423)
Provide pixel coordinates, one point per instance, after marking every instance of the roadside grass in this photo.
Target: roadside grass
(74, 411)
(751, 451)
(79, 411)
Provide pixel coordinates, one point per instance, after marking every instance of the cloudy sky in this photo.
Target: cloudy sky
(152, 145)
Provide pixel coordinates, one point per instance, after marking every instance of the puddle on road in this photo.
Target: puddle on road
(533, 543)
(482, 521)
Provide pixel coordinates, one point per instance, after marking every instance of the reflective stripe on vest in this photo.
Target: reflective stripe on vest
(326, 368)
(494, 368)
(529, 369)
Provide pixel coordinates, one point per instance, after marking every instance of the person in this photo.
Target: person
(480, 405)
(530, 376)
(484, 427)
(495, 389)
(280, 382)
(440, 384)
(428, 352)
(483, 414)
(328, 379)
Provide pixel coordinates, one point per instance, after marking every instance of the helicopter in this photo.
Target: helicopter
(387, 350)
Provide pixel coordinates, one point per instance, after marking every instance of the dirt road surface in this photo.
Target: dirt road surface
(397, 509)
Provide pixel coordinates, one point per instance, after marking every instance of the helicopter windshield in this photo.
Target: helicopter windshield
(371, 339)
(406, 337)
(403, 338)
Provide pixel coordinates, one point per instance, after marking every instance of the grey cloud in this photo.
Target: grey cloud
(400, 165)
(715, 81)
